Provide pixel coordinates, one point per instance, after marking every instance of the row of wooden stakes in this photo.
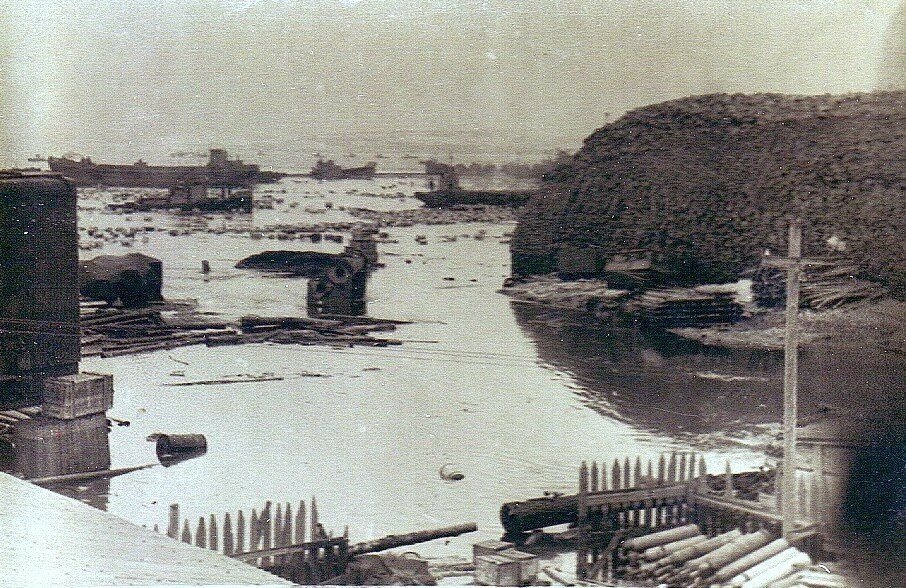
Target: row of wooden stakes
(270, 528)
(680, 467)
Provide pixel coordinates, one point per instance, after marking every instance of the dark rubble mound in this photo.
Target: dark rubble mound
(707, 183)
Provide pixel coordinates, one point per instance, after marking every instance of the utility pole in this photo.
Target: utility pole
(793, 263)
(790, 502)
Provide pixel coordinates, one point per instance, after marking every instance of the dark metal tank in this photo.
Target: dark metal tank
(39, 296)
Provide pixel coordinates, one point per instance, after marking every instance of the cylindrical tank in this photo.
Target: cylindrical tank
(168, 444)
(39, 296)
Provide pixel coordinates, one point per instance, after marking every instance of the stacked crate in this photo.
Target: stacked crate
(71, 435)
(498, 563)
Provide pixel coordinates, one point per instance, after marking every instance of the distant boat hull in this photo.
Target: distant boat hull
(141, 175)
(328, 170)
(445, 198)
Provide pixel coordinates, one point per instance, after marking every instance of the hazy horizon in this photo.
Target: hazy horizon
(277, 80)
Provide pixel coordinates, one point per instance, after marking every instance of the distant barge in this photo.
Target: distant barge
(446, 198)
(219, 171)
(330, 170)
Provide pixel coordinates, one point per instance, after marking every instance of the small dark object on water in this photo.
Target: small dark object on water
(449, 473)
(179, 443)
(205, 266)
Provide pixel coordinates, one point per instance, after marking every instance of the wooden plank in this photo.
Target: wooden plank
(240, 533)
(173, 522)
(228, 542)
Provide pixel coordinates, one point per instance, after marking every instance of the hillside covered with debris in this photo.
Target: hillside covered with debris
(706, 184)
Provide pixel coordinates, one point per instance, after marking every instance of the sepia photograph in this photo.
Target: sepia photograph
(593, 293)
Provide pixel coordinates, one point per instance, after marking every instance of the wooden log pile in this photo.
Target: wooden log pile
(685, 557)
(112, 332)
(684, 307)
(822, 286)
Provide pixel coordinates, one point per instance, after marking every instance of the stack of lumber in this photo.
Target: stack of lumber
(10, 418)
(684, 307)
(312, 331)
(683, 557)
(111, 332)
(822, 286)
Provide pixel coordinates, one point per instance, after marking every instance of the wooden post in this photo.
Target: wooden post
(212, 533)
(671, 469)
(681, 474)
(603, 474)
(638, 470)
(200, 539)
(300, 523)
(186, 533)
(278, 526)
(661, 469)
(789, 506)
(691, 466)
(627, 473)
(582, 523)
(594, 476)
(173, 523)
(615, 475)
(266, 520)
(314, 520)
(240, 533)
(228, 544)
(728, 481)
(702, 469)
(287, 525)
(254, 532)
(650, 471)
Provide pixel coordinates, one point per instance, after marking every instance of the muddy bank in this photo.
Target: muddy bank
(876, 324)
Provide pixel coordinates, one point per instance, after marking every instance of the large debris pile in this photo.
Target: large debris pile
(707, 183)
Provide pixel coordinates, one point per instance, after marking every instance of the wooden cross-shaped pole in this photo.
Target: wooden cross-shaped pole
(793, 264)
(790, 502)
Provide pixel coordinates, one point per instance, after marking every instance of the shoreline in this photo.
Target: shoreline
(868, 323)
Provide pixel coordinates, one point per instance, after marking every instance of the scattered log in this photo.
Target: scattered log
(394, 541)
(87, 475)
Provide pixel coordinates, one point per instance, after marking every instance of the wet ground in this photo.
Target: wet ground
(515, 396)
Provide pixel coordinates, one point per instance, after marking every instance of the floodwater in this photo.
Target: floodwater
(515, 396)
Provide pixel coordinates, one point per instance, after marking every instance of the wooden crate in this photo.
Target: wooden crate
(497, 570)
(489, 548)
(52, 447)
(77, 395)
(528, 564)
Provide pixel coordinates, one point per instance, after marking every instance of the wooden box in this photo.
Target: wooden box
(53, 447)
(528, 564)
(77, 395)
(489, 548)
(497, 570)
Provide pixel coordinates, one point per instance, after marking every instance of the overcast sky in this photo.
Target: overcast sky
(116, 79)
